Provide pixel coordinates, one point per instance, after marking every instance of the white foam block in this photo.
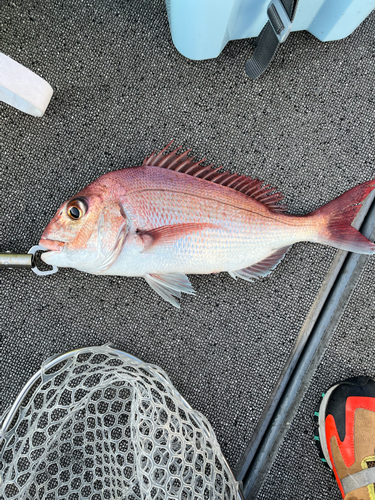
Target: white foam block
(23, 89)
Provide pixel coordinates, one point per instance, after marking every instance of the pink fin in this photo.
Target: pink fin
(170, 286)
(167, 235)
(338, 216)
(262, 268)
(186, 165)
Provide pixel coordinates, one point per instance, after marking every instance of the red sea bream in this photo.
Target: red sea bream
(172, 216)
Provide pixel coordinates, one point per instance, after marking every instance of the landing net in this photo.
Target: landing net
(97, 424)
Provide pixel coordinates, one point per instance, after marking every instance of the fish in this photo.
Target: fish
(173, 216)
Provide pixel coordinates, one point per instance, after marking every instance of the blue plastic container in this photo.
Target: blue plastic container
(201, 28)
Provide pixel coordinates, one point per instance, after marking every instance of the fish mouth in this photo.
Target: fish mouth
(52, 245)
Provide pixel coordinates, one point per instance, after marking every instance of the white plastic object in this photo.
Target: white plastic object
(23, 89)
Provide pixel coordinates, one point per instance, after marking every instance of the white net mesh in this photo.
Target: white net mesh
(102, 425)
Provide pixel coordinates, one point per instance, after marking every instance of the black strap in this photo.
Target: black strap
(267, 43)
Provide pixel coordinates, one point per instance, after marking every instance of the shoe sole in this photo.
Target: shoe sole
(321, 424)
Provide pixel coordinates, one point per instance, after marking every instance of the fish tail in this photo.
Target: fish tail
(334, 221)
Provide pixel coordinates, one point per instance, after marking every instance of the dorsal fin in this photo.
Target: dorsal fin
(246, 185)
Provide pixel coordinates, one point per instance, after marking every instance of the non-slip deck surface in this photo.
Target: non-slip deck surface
(121, 91)
(350, 353)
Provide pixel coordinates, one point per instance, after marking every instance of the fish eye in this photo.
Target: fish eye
(75, 213)
(76, 209)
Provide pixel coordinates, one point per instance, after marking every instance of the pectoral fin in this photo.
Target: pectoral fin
(170, 286)
(262, 268)
(167, 235)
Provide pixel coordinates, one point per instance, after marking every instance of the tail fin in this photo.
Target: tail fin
(337, 216)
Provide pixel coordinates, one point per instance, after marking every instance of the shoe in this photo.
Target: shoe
(346, 421)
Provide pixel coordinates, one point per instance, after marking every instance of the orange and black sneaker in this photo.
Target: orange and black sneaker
(347, 436)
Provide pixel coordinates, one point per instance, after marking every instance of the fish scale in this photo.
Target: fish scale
(173, 216)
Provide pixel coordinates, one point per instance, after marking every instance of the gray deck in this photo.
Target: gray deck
(121, 91)
(350, 352)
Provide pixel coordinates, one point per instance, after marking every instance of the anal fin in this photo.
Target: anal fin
(170, 286)
(262, 268)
